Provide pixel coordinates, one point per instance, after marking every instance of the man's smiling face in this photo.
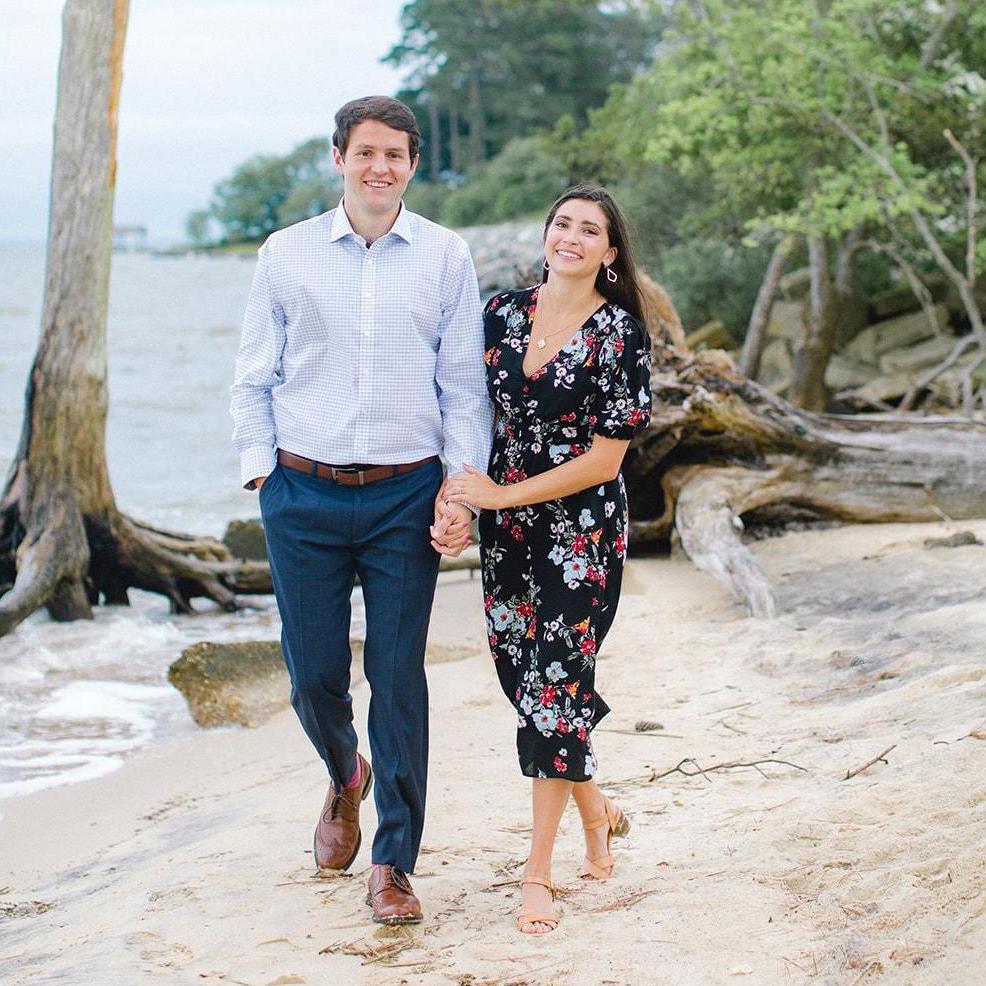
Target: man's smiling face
(376, 168)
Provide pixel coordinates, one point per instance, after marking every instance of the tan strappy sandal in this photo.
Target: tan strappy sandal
(532, 917)
(618, 824)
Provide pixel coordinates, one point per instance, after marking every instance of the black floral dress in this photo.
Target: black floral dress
(552, 570)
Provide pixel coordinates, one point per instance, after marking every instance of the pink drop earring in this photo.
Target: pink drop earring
(611, 275)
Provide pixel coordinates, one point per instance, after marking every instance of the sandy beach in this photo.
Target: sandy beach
(192, 863)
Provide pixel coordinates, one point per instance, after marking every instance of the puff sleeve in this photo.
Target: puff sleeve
(622, 406)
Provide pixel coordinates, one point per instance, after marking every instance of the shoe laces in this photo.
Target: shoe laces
(334, 804)
(392, 876)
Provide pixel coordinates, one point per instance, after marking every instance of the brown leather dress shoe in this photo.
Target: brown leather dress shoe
(391, 897)
(337, 835)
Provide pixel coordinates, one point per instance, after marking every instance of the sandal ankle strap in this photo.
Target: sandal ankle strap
(596, 823)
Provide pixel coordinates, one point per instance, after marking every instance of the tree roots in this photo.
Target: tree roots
(68, 563)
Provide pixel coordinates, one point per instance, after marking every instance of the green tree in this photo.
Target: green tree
(523, 179)
(267, 191)
(309, 197)
(827, 120)
(482, 73)
(197, 227)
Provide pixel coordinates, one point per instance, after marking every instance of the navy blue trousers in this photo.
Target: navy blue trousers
(320, 535)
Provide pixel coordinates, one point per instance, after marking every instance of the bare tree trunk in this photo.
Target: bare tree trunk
(455, 141)
(812, 357)
(756, 333)
(63, 544)
(477, 121)
(434, 126)
(931, 47)
(849, 307)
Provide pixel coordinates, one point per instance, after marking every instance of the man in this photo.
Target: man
(361, 360)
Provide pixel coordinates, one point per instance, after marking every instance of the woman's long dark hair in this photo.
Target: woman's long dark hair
(626, 291)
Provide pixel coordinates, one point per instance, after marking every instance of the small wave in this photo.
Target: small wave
(17, 675)
(42, 646)
(84, 769)
(84, 701)
(43, 752)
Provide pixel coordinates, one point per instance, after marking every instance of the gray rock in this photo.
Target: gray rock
(958, 540)
(842, 373)
(776, 363)
(245, 540)
(506, 255)
(919, 356)
(245, 683)
(787, 319)
(796, 284)
(885, 388)
(896, 301)
(240, 683)
(893, 333)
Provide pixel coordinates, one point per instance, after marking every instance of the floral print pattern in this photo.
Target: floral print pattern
(552, 571)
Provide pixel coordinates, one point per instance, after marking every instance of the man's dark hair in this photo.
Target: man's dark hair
(383, 109)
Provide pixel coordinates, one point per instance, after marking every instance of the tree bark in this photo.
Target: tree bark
(812, 357)
(434, 126)
(63, 543)
(477, 121)
(721, 448)
(756, 333)
(455, 141)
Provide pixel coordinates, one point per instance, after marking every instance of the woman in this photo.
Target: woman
(568, 368)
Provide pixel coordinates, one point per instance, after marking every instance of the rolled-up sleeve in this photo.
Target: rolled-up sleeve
(460, 370)
(258, 371)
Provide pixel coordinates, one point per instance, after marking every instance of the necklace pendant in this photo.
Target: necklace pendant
(541, 343)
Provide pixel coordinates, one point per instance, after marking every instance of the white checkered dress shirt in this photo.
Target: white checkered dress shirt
(366, 355)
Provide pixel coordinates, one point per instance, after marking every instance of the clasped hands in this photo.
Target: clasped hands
(450, 533)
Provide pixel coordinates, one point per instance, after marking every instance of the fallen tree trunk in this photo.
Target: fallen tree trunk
(721, 449)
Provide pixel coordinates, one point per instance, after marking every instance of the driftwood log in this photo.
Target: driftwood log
(721, 448)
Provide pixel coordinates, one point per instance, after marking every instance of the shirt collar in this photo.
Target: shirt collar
(341, 225)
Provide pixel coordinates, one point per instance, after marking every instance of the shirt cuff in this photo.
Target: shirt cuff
(258, 460)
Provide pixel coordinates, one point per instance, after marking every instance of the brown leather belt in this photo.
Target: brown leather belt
(347, 475)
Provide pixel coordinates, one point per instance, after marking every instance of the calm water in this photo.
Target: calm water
(75, 698)
(173, 330)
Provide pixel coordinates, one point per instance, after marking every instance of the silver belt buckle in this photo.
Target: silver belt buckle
(335, 472)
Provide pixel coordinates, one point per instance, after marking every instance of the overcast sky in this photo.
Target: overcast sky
(206, 84)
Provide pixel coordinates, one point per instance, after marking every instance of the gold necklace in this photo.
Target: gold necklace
(542, 337)
(540, 341)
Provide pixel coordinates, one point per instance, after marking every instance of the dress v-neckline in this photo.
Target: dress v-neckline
(535, 291)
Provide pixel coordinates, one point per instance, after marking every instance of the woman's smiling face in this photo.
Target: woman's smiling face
(577, 240)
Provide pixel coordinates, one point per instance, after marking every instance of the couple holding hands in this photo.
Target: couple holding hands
(365, 354)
